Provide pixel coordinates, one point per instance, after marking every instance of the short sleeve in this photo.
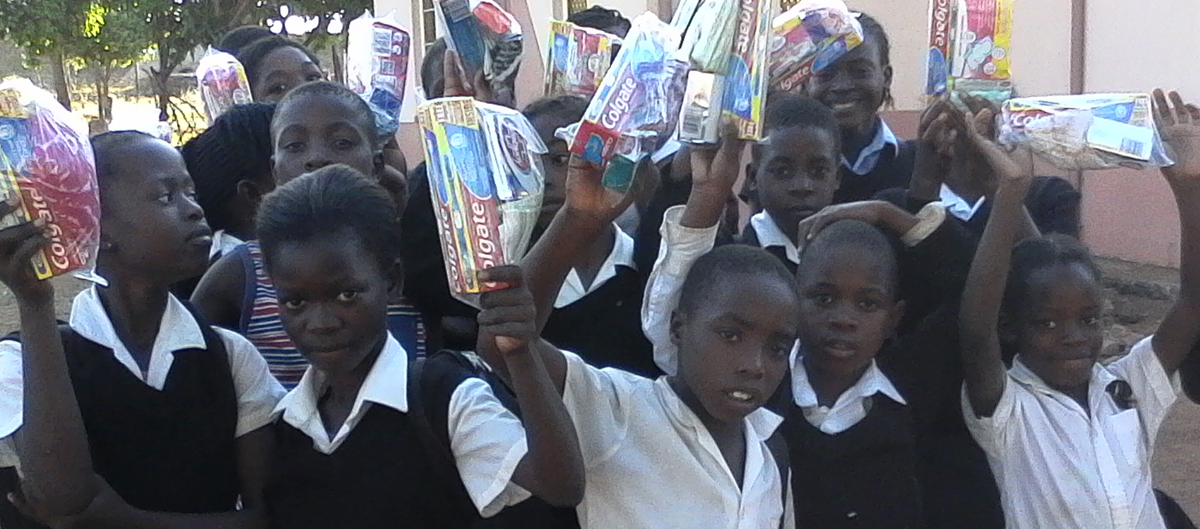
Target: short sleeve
(599, 402)
(680, 248)
(11, 400)
(1153, 391)
(488, 442)
(257, 391)
(992, 433)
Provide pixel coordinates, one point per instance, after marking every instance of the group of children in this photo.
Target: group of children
(904, 335)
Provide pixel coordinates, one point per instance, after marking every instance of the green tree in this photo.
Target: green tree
(47, 30)
(115, 35)
(329, 13)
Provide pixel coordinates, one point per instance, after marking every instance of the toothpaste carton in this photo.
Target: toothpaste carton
(485, 173)
(486, 37)
(46, 162)
(969, 43)
(578, 59)
(700, 119)
(223, 83)
(746, 83)
(809, 37)
(377, 67)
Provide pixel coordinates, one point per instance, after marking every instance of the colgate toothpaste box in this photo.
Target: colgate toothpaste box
(969, 43)
(223, 83)
(486, 177)
(578, 59)
(746, 81)
(377, 67)
(809, 37)
(46, 161)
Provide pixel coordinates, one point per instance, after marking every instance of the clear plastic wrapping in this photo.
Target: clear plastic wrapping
(969, 44)
(377, 52)
(809, 37)
(1086, 132)
(223, 83)
(578, 59)
(485, 37)
(487, 181)
(46, 161)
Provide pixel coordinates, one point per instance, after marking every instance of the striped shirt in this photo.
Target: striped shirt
(261, 324)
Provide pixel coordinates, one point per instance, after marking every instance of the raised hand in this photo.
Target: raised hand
(934, 148)
(587, 196)
(508, 317)
(18, 245)
(1179, 126)
(976, 126)
(717, 167)
(875, 212)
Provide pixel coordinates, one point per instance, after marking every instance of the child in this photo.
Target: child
(275, 65)
(240, 37)
(688, 450)
(352, 449)
(316, 125)
(231, 164)
(1070, 440)
(856, 86)
(794, 173)
(137, 413)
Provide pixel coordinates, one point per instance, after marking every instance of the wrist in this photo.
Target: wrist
(41, 300)
(704, 208)
(895, 219)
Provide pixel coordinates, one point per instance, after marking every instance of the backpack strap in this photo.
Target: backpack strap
(445, 471)
(779, 451)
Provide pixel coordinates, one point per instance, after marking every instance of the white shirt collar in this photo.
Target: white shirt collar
(868, 157)
(762, 422)
(850, 408)
(386, 384)
(621, 255)
(177, 331)
(770, 235)
(1097, 385)
(223, 243)
(958, 206)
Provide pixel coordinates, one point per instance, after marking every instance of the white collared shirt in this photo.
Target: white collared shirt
(851, 406)
(223, 243)
(868, 157)
(958, 206)
(650, 462)
(621, 255)
(1059, 467)
(769, 234)
(257, 391)
(486, 439)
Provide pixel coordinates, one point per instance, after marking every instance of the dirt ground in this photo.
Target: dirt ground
(1138, 297)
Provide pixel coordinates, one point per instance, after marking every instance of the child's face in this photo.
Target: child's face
(847, 309)
(332, 299)
(314, 131)
(149, 214)
(797, 174)
(854, 87)
(734, 345)
(282, 70)
(555, 162)
(1059, 332)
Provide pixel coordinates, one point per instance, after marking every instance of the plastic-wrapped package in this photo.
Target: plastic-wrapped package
(809, 37)
(639, 99)
(969, 43)
(46, 161)
(745, 96)
(223, 83)
(485, 36)
(578, 59)
(377, 67)
(1086, 132)
(486, 176)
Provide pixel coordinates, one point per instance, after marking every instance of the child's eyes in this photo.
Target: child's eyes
(314, 77)
(822, 299)
(870, 305)
(294, 146)
(343, 143)
(277, 89)
(782, 350)
(729, 336)
(1091, 321)
(292, 304)
(1048, 324)
(165, 198)
(348, 295)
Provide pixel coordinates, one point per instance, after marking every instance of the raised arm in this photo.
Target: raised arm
(553, 467)
(51, 443)
(219, 294)
(1179, 125)
(979, 314)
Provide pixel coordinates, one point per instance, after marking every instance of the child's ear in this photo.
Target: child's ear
(377, 162)
(1006, 330)
(250, 192)
(274, 167)
(752, 176)
(395, 277)
(677, 321)
(897, 314)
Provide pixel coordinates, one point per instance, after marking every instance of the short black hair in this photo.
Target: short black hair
(239, 38)
(236, 147)
(717, 265)
(1039, 253)
(787, 110)
(330, 89)
(326, 202)
(252, 54)
(106, 149)
(433, 69)
(569, 107)
(858, 234)
(601, 18)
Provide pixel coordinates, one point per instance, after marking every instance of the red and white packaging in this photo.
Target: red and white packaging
(223, 83)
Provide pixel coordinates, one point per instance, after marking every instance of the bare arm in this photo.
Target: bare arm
(979, 314)
(219, 294)
(1180, 128)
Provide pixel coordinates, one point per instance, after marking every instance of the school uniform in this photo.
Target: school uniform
(764, 232)
(650, 462)
(884, 163)
(375, 472)
(1063, 467)
(1052, 202)
(164, 438)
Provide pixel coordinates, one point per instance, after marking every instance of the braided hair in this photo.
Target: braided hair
(236, 147)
